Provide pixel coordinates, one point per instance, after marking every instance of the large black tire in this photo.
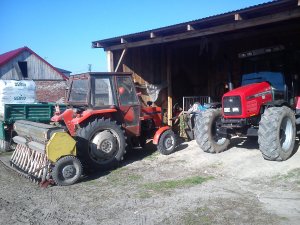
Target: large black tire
(276, 133)
(67, 171)
(167, 142)
(205, 132)
(100, 144)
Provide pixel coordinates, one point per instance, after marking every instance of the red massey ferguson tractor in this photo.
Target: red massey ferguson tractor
(105, 115)
(266, 105)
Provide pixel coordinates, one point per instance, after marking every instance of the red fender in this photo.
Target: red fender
(71, 121)
(158, 133)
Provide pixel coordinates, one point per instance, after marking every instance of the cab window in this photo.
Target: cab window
(126, 91)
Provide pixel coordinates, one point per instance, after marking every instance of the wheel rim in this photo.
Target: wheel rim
(169, 142)
(68, 172)
(106, 146)
(104, 150)
(286, 134)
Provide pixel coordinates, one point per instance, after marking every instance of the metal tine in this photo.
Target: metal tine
(14, 154)
(17, 154)
(44, 163)
(34, 165)
(28, 159)
(31, 169)
(31, 158)
(20, 156)
(25, 159)
(37, 164)
(23, 154)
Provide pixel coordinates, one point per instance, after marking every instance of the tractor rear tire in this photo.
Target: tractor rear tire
(205, 132)
(276, 133)
(100, 144)
(67, 171)
(167, 142)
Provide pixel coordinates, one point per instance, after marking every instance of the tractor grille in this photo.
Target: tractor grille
(232, 105)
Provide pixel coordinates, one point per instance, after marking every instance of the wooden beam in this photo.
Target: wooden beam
(152, 35)
(189, 27)
(120, 60)
(169, 83)
(123, 41)
(110, 61)
(237, 17)
(283, 16)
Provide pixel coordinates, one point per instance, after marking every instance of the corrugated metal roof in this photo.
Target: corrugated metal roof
(6, 57)
(219, 19)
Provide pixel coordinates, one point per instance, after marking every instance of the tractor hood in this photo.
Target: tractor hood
(246, 101)
(250, 89)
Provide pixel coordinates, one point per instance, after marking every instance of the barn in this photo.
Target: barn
(23, 63)
(207, 56)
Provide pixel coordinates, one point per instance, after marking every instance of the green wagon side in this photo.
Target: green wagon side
(39, 112)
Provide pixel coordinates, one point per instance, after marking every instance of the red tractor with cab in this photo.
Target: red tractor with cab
(267, 106)
(105, 115)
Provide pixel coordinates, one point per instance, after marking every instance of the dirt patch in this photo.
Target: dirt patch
(187, 187)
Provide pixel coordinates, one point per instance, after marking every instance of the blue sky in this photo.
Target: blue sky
(61, 31)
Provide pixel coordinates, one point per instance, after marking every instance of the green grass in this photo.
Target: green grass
(123, 176)
(165, 186)
(197, 217)
(291, 175)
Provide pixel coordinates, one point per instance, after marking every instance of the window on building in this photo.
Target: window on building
(23, 68)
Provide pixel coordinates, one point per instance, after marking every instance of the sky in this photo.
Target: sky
(62, 31)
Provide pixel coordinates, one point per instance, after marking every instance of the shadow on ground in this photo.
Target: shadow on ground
(131, 156)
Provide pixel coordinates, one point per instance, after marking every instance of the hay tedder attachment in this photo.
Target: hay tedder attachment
(45, 154)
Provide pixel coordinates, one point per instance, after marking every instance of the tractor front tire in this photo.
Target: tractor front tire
(276, 133)
(167, 142)
(67, 171)
(100, 144)
(205, 132)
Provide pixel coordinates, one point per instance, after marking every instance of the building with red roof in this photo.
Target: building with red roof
(23, 63)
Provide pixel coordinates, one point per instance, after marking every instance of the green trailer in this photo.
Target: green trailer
(37, 112)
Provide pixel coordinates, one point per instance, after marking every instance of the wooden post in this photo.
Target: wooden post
(169, 82)
(110, 61)
(120, 60)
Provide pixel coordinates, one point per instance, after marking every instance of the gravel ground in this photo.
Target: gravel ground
(188, 187)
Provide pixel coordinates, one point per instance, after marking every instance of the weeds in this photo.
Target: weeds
(165, 186)
(122, 176)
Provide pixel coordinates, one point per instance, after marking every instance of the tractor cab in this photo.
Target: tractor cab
(95, 92)
(102, 90)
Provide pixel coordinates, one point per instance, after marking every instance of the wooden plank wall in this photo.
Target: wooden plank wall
(37, 69)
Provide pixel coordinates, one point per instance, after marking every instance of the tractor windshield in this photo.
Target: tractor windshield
(274, 78)
(102, 94)
(79, 91)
